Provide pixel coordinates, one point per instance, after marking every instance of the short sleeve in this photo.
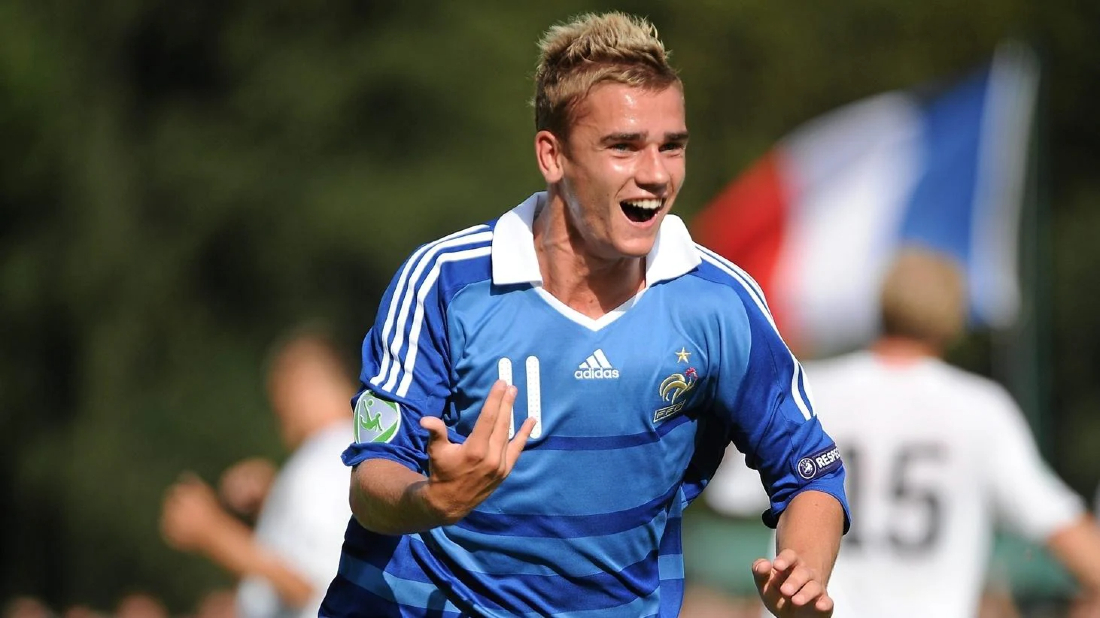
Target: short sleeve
(1029, 498)
(764, 394)
(405, 369)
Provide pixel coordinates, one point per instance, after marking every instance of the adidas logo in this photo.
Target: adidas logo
(596, 367)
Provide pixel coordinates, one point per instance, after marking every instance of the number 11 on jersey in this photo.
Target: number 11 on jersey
(534, 392)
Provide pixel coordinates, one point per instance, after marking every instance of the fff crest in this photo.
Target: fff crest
(672, 389)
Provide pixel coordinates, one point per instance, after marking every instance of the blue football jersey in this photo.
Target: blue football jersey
(634, 411)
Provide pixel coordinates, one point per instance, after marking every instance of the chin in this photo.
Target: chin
(636, 248)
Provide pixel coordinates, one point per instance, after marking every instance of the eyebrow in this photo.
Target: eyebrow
(612, 138)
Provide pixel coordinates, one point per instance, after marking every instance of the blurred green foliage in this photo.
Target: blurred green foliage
(181, 182)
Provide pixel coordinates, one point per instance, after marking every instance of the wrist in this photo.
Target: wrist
(220, 528)
(429, 499)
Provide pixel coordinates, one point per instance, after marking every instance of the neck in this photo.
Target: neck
(903, 351)
(572, 273)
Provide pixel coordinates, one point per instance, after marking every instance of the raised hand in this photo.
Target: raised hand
(190, 515)
(790, 588)
(463, 475)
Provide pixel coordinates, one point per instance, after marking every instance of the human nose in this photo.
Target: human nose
(652, 169)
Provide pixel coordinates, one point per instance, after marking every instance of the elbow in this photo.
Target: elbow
(375, 508)
(360, 507)
(386, 498)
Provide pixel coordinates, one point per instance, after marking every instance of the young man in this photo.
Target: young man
(936, 457)
(585, 329)
(285, 564)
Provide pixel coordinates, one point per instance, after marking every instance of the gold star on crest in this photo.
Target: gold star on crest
(682, 355)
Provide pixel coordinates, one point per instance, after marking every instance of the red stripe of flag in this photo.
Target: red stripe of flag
(746, 224)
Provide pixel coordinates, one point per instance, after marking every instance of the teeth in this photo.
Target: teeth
(653, 204)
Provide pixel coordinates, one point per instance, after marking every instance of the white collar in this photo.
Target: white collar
(514, 260)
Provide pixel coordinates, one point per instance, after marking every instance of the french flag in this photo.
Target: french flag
(818, 218)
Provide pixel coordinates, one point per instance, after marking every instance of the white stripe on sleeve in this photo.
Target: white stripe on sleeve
(757, 296)
(398, 318)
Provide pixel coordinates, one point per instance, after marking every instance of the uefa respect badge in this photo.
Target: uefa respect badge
(376, 419)
(819, 463)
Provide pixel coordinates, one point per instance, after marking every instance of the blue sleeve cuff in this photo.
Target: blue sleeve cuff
(358, 453)
(832, 485)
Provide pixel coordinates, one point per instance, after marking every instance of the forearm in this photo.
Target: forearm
(812, 526)
(388, 498)
(233, 546)
(1077, 546)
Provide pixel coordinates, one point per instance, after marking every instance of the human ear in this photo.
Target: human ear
(549, 154)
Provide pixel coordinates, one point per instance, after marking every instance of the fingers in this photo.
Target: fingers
(502, 426)
(489, 436)
(788, 583)
(784, 560)
(824, 603)
(761, 571)
(808, 593)
(798, 578)
(487, 419)
(437, 431)
(768, 579)
(515, 447)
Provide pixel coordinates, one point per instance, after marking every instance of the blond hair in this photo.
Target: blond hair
(591, 49)
(924, 297)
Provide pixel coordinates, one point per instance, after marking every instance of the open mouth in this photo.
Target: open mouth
(640, 211)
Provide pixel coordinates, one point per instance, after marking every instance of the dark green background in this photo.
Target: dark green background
(182, 181)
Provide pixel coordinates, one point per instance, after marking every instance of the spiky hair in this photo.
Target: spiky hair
(591, 49)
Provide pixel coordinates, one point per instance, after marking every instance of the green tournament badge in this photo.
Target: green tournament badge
(376, 420)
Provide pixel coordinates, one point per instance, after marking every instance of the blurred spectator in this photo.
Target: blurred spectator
(81, 611)
(287, 563)
(27, 607)
(935, 456)
(140, 605)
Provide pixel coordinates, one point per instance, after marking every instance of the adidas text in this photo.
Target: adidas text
(595, 374)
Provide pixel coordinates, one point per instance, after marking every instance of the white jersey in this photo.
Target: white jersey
(303, 521)
(935, 457)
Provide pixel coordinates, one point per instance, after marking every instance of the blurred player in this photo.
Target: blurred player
(632, 357)
(290, 558)
(936, 457)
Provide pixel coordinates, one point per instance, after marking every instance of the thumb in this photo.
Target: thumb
(437, 431)
(761, 571)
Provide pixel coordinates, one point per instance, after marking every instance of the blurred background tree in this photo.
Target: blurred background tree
(181, 182)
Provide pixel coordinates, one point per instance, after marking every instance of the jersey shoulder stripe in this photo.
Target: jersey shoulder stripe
(738, 274)
(400, 286)
(405, 312)
(750, 288)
